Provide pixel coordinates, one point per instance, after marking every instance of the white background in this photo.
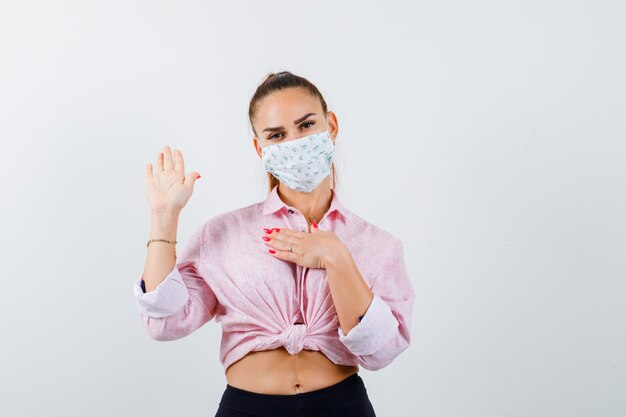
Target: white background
(489, 136)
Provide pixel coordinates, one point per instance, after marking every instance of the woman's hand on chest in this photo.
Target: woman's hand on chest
(312, 250)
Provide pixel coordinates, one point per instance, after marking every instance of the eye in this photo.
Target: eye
(307, 123)
(272, 136)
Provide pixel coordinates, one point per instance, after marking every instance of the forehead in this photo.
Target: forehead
(282, 107)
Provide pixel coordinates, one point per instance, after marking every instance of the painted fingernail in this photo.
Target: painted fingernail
(265, 238)
(267, 230)
(277, 229)
(272, 250)
(314, 224)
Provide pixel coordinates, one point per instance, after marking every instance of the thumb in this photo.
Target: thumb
(190, 179)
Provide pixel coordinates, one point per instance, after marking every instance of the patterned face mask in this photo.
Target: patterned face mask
(301, 163)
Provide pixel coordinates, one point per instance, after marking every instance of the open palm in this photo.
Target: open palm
(168, 188)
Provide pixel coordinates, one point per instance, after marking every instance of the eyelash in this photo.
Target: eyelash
(305, 123)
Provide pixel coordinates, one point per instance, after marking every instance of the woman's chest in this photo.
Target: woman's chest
(239, 265)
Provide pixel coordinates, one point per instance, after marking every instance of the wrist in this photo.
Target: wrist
(165, 215)
(338, 256)
(164, 225)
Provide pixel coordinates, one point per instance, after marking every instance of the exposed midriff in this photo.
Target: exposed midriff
(276, 371)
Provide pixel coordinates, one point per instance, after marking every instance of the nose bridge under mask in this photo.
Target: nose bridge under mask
(301, 163)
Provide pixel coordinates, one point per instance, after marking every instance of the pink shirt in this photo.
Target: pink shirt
(225, 272)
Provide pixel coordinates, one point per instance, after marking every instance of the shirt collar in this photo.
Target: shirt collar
(273, 203)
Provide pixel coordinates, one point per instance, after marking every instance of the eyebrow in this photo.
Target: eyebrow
(295, 122)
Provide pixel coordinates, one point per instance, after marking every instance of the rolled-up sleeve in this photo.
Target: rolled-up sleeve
(166, 299)
(385, 329)
(183, 301)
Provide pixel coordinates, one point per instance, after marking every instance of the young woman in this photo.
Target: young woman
(305, 289)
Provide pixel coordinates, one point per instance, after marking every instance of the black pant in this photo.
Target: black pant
(347, 398)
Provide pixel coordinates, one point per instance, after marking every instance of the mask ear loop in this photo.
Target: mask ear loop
(328, 129)
(332, 163)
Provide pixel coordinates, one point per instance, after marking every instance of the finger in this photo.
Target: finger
(159, 162)
(179, 163)
(148, 171)
(281, 237)
(292, 257)
(191, 178)
(168, 160)
(281, 245)
(290, 232)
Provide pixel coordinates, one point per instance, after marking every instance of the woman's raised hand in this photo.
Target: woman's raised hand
(168, 189)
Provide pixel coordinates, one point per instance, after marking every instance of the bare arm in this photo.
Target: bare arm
(161, 256)
(167, 192)
(172, 295)
(382, 331)
(351, 294)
